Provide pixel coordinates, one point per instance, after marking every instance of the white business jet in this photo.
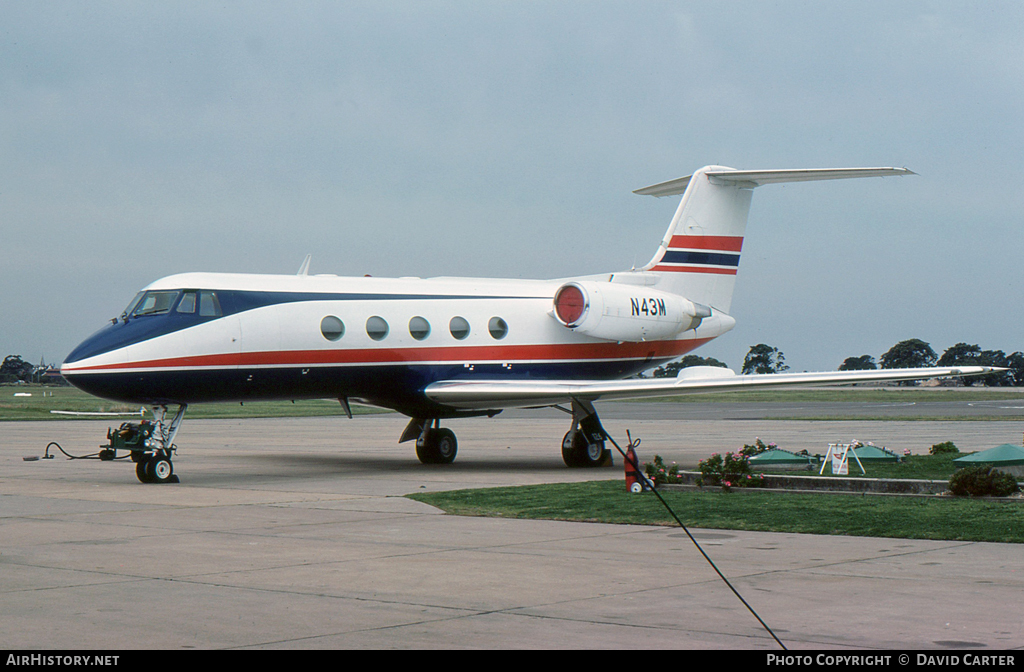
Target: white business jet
(440, 348)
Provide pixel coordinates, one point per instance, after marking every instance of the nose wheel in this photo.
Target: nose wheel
(156, 468)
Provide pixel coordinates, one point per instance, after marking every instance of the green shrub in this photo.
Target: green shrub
(982, 481)
(757, 448)
(945, 447)
(730, 471)
(660, 474)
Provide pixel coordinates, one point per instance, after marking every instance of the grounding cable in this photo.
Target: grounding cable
(633, 463)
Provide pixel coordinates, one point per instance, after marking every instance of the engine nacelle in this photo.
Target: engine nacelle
(619, 312)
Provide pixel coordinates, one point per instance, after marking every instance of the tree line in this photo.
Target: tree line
(909, 354)
(14, 369)
(914, 353)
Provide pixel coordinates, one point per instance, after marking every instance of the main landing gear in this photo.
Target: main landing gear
(151, 445)
(583, 445)
(434, 444)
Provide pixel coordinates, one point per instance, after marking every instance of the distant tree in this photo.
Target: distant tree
(862, 363)
(995, 358)
(672, 369)
(961, 354)
(909, 354)
(762, 358)
(1015, 363)
(15, 368)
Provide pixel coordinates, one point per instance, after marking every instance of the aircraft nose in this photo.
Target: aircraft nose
(104, 340)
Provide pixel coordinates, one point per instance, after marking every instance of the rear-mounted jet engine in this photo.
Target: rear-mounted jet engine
(618, 312)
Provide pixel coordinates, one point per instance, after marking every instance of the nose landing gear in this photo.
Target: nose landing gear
(151, 445)
(156, 468)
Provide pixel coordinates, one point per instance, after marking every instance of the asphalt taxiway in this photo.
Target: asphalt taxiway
(294, 533)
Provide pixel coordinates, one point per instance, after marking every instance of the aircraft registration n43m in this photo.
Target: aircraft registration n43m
(441, 348)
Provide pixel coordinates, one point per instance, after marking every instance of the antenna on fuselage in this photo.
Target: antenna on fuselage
(304, 269)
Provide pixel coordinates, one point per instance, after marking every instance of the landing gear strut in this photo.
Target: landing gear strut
(434, 444)
(583, 445)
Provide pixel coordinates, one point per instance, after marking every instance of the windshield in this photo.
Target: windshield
(153, 303)
(131, 306)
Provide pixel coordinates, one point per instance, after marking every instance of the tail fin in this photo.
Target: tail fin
(700, 254)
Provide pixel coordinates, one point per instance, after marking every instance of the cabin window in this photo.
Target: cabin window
(419, 328)
(459, 327)
(209, 306)
(332, 328)
(377, 328)
(155, 303)
(498, 328)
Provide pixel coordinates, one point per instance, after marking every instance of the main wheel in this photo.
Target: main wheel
(438, 446)
(570, 454)
(578, 452)
(447, 446)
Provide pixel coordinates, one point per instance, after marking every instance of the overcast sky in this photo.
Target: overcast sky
(504, 139)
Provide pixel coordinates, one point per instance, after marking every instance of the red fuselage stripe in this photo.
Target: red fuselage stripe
(519, 354)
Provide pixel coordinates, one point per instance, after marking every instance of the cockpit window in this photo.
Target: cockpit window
(131, 306)
(187, 303)
(209, 306)
(155, 303)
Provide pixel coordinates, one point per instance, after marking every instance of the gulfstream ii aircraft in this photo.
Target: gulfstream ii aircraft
(442, 348)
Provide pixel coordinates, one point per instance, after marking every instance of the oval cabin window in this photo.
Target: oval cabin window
(498, 328)
(332, 328)
(419, 328)
(459, 327)
(377, 328)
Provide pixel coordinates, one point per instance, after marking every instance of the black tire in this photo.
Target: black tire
(577, 452)
(570, 455)
(160, 469)
(143, 472)
(438, 446)
(447, 446)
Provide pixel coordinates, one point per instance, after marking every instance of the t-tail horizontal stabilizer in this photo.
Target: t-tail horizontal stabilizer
(700, 254)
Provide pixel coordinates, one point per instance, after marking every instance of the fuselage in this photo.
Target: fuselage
(204, 337)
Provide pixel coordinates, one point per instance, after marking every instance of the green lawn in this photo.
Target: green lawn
(38, 406)
(45, 399)
(870, 516)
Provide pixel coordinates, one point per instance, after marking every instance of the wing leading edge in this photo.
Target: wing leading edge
(492, 394)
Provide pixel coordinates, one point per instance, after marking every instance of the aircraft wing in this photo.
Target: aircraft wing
(493, 394)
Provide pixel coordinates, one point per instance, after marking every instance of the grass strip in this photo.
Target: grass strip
(892, 418)
(869, 516)
(38, 407)
(43, 399)
(877, 395)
